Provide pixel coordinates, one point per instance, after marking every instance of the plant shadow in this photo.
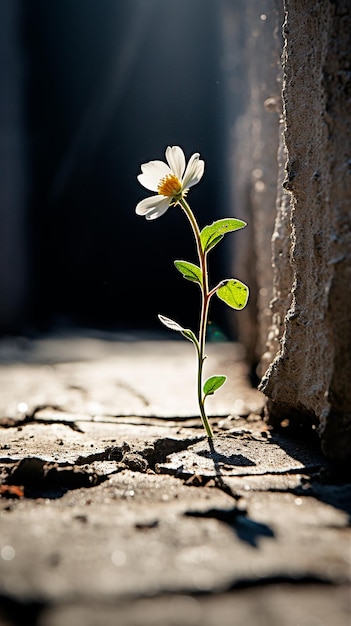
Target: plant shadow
(234, 459)
(323, 481)
(246, 529)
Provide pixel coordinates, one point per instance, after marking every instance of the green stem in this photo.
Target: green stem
(205, 301)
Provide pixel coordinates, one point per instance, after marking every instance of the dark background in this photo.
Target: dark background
(106, 85)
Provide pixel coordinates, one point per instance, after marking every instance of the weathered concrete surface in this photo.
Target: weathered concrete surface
(291, 173)
(264, 606)
(130, 517)
(108, 381)
(309, 376)
(255, 140)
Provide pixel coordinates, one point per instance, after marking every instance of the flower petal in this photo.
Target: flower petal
(152, 173)
(153, 206)
(157, 212)
(193, 172)
(176, 160)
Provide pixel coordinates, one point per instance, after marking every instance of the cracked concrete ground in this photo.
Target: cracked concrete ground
(116, 509)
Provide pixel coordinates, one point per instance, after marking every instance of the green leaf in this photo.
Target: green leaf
(186, 332)
(189, 270)
(211, 235)
(170, 323)
(213, 383)
(191, 336)
(234, 293)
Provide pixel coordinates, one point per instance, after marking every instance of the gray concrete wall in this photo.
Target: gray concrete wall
(255, 142)
(305, 361)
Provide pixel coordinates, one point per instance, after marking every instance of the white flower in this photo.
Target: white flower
(171, 180)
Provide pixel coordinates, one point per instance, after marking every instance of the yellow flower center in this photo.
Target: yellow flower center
(169, 186)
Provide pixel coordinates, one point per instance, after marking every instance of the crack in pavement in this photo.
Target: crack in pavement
(157, 455)
(38, 476)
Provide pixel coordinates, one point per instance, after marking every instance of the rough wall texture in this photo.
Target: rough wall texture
(310, 338)
(256, 140)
